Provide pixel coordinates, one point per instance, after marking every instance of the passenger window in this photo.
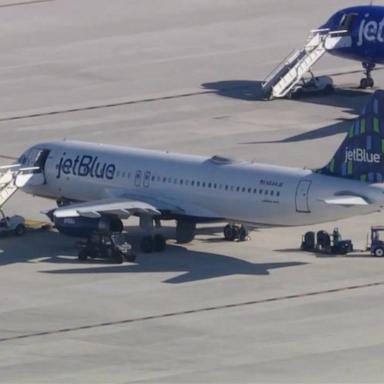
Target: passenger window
(193, 183)
(237, 189)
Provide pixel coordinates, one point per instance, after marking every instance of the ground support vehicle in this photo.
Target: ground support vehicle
(14, 225)
(376, 246)
(112, 246)
(323, 242)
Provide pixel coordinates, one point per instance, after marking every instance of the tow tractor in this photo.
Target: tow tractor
(376, 246)
(112, 246)
(12, 224)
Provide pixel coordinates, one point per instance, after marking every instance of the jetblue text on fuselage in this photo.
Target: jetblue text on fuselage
(85, 165)
(371, 31)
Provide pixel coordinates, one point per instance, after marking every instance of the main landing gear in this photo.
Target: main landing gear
(367, 81)
(152, 243)
(233, 232)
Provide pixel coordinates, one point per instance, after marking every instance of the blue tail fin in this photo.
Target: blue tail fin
(361, 155)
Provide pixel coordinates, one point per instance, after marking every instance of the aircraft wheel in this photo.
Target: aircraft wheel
(146, 244)
(364, 83)
(20, 230)
(82, 255)
(370, 82)
(379, 252)
(231, 232)
(131, 258)
(117, 257)
(243, 233)
(329, 89)
(159, 243)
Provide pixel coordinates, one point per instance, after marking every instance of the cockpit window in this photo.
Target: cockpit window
(22, 160)
(346, 21)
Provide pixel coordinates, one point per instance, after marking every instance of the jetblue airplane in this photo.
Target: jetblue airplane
(363, 28)
(98, 185)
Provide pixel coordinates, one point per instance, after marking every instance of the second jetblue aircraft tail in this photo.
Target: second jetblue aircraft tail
(361, 155)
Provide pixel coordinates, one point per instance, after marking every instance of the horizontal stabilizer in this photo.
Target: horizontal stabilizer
(346, 201)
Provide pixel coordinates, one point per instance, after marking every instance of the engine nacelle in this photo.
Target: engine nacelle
(84, 226)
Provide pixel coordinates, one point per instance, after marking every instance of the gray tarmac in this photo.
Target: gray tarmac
(183, 76)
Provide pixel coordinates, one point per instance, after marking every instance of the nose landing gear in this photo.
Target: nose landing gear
(367, 81)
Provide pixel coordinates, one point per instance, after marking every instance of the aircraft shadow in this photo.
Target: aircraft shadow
(351, 100)
(52, 247)
(35, 244)
(237, 89)
(330, 130)
(193, 266)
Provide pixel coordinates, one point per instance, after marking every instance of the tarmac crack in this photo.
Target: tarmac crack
(27, 2)
(189, 312)
(104, 106)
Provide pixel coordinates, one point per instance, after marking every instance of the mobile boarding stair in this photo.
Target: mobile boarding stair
(291, 70)
(12, 177)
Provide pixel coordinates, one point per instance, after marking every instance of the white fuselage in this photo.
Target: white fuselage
(205, 188)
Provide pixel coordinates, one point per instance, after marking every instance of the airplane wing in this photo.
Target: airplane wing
(120, 207)
(346, 201)
(163, 204)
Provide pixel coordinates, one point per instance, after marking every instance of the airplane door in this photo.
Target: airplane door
(138, 178)
(147, 179)
(302, 196)
(35, 158)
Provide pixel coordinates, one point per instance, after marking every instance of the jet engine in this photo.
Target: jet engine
(84, 226)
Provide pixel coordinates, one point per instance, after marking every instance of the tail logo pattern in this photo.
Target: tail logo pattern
(361, 155)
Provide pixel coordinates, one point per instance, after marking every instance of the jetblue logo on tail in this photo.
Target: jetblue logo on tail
(85, 165)
(361, 155)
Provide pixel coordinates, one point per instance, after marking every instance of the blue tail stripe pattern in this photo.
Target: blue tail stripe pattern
(361, 155)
